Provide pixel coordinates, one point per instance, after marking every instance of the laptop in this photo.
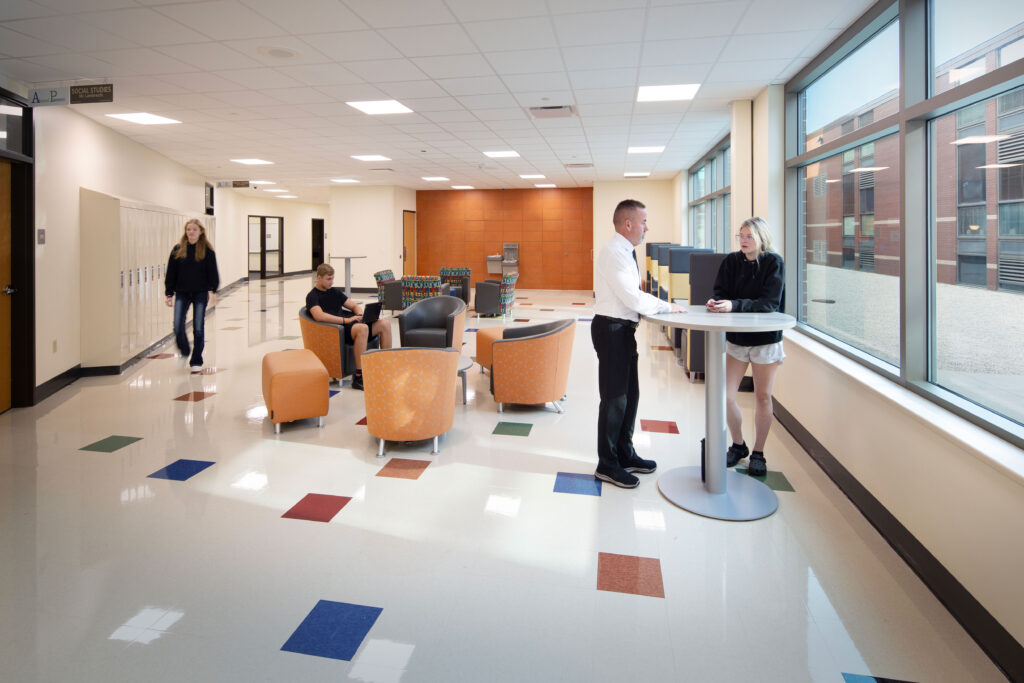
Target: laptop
(371, 313)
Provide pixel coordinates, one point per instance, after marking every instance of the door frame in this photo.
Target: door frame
(405, 247)
(263, 245)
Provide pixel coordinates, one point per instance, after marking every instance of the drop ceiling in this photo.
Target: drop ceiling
(269, 79)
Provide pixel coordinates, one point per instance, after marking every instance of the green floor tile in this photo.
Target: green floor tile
(111, 444)
(776, 481)
(513, 428)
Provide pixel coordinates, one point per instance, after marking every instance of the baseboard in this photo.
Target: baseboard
(1001, 647)
(52, 386)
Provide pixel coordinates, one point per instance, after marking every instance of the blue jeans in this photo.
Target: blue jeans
(198, 301)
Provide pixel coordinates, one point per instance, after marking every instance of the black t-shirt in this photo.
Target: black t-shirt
(330, 301)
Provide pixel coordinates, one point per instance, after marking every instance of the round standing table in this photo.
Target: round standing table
(348, 271)
(725, 495)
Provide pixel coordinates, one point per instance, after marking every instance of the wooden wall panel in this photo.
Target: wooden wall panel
(554, 229)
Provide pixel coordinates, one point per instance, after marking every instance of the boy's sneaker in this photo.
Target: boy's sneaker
(617, 476)
(196, 369)
(735, 454)
(757, 466)
(638, 464)
(357, 381)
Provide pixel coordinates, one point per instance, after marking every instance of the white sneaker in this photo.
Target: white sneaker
(196, 369)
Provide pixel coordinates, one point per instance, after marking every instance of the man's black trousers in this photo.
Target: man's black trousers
(618, 385)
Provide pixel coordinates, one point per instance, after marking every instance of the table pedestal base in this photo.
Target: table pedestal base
(745, 498)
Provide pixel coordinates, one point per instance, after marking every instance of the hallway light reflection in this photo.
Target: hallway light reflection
(503, 505)
(251, 481)
(148, 625)
(653, 520)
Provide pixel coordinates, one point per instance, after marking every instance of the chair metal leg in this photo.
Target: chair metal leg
(500, 408)
(557, 407)
(277, 428)
(380, 449)
(436, 449)
(320, 421)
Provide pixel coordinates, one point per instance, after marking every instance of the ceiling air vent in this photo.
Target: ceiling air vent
(579, 165)
(553, 112)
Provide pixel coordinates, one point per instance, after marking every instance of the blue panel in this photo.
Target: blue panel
(332, 392)
(574, 482)
(180, 470)
(333, 629)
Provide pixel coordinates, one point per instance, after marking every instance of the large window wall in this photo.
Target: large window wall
(709, 205)
(908, 229)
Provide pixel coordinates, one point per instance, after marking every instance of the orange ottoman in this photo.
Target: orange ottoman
(294, 386)
(485, 338)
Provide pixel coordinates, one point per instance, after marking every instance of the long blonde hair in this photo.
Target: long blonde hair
(202, 244)
(759, 231)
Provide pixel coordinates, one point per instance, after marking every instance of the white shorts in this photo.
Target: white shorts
(766, 354)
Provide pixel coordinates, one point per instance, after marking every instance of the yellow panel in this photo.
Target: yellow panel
(679, 286)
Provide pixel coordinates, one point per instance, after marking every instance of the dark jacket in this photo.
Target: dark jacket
(189, 275)
(753, 287)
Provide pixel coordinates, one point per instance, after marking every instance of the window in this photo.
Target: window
(709, 200)
(966, 34)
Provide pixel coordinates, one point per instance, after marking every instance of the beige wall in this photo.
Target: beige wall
(662, 214)
(367, 221)
(769, 128)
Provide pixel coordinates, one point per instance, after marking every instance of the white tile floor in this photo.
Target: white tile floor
(482, 571)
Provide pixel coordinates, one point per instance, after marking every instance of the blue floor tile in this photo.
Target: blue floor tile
(860, 678)
(333, 629)
(574, 482)
(332, 392)
(180, 470)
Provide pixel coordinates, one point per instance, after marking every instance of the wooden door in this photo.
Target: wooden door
(409, 243)
(5, 281)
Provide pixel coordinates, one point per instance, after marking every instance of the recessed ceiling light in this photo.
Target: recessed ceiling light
(370, 157)
(275, 189)
(667, 93)
(646, 150)
(252, 162)
(286, 196)
(463, 187)
(380, 107)
(262, 182)
(999, 165)
(143, 118)
(637, 174)
(979, 139)
(434, 178)
(544, 185)
(505, 154)
(532, 176)
(868, 168)
(344, 180)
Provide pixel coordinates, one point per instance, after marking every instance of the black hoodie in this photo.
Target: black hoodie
(189, 275)
(753, 287)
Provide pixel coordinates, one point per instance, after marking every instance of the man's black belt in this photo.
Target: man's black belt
(622, 321)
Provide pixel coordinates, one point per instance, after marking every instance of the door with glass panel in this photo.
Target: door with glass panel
(266, 246)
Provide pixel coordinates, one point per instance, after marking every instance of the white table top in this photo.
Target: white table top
(698, 318)
(363, 256)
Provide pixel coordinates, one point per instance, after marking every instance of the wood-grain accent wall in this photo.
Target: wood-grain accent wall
(554, 229)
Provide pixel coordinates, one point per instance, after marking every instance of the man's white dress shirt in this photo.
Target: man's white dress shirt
(617, 284)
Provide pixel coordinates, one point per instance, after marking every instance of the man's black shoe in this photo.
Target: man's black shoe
(638, 464)
(757, 466)
(617, 476)
(735, 454)
(357, 382)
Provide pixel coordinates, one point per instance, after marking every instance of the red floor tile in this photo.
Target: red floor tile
(630, 574)
(362, 422)
(403, 468)
(195, 396)
(659, 426)
(160, 356)
(317, 507)
(662, 348)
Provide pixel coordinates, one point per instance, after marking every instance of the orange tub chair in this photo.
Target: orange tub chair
(530, 364)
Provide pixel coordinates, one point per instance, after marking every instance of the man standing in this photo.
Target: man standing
(325, 302)
(619, 304)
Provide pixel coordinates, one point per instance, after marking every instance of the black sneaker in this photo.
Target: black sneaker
(357, 382)
(735, 454)
(638, 464)
(757, 466)
(619, 477)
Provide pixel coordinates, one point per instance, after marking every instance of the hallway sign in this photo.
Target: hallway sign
(71, 94)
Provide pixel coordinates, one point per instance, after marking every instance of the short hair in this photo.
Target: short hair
(324, 269)
(760, 232)
(625, 207)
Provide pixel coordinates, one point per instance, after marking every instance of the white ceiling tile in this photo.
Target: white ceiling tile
(525, 61)
(426, 104)
(690, 51)
(603, 95)
(513, 34)
(602, 57)
(778, 15)
(402, 90)
(731, 90)
(353, 45)
(19, 45)
(200, 81)
(22, 9)
(694, 21)
(589, 111)
(487, 101)
(67, 6)
(262, 77)
(137, 85)
(256, 48)
(661, 108)
(298, 95)
(603, 78)
(138, 21)
(545, 98)
(67, 32)
(191, 101)
(467, 127)
(454, 66)
(427, 41)
(28, 72)
(600, 28)
(144, 61)
(537, 82)
(245, 98)
(763, 70)
(390, 14)
(320, 74)
(353, 92)
(209, 56)
(317, 16)
(509, 114)
(669, 75)
(484, 10)
(769, 46)
(384, 70)
(483, 85)
(222, 19)
(450, 116)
